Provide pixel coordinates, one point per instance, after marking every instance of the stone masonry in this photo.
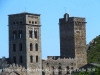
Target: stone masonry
(25, 46)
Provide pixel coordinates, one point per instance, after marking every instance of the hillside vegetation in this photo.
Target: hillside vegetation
(93, 50)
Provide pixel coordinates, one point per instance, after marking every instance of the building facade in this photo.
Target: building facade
(25, 46)
(25, 40)
(73, 38)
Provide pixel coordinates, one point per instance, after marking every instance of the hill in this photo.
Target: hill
(93, 51)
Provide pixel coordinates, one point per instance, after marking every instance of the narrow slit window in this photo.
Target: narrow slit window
(35, 22)
(35, 34)
(30, 34)
(14, 47)
(20, 46)
(14, 34)
(31, 47)
(36, 47)
(20, 34)
(31, 59)
(32, 22)
(14, 59)
(37, 59)
(21, 59)
(13, 22)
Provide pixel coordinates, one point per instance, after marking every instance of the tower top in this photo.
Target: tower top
(66, 15)
(25, 13)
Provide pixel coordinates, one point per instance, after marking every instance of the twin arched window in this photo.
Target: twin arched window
(15, 34)
(31, 34)
(20, 59)
(31, 47)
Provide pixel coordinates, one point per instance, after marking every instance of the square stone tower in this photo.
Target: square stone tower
(73, 38)
(25, 41)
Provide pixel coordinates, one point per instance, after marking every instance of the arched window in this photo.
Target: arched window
(36, 47)
(14, 34)
(35, 22)
(37, 59)
(14, 47)
(20, 34)
(20, 46)
(32, 22)
(21, 59)
(14, 59)
(31, 59)
(35, 34)
(31, 47)
(30, 34)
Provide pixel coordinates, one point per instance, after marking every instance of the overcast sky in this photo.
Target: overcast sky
(51, 11)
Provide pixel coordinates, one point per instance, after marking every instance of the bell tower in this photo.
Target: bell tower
(25, 41)
(73, 38)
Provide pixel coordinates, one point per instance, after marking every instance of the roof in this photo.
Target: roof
(26, 13)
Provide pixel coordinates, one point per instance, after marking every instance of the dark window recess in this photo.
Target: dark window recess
(29, 21)
(21, 59)
(68, 72)
(37, 59)
(20, 46)
(20, 34)
(72, 68)
(31, 59)
(35, 22)
(60, 70)
(67, 67)
(14, 47)
(13, 22)
(14, 59)
(47, 64)
(30, 34)
(36, 47)
(43, 73)
(17, 22)
(35, 34)
(20, 22)
(32, 22)
(53, 73)
(31, 47)
(14, 34)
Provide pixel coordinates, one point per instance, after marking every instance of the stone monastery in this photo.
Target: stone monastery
(25, 46)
